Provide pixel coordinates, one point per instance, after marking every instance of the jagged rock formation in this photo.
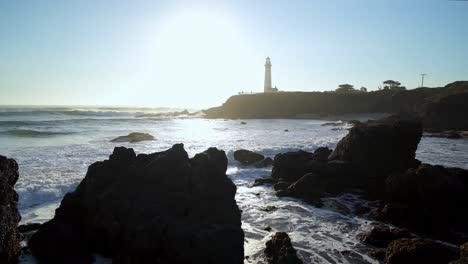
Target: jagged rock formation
(279, 250)
(151, 208)
(9, 214)
(416, 250)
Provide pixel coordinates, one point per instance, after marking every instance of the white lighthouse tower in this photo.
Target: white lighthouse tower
(267, 86)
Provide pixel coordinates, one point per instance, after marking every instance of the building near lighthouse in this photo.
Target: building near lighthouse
(267, 85)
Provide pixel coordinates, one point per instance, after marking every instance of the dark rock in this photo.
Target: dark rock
(291, 166)
(381, 236)
(243, 123)
(463, 255)
(247, 157)
(9, 214)
(379, 148)
(28, 227)
(431, 196)
(286, 130)
(262, 181)
(359, 209)
(268, 228)
(280, 186)
(447, 113)
(156, 208)
(378, 254)
(134, 137)
(309, 188)
(264, 163)
(279, 250)
(353, 122)
(416, 250)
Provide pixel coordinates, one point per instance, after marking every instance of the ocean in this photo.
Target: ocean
(55, 145)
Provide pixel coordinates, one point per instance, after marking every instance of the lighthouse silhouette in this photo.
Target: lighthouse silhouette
(267, 86)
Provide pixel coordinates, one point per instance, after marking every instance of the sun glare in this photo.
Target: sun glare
(197, 49)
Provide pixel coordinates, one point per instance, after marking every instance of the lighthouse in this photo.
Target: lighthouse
(267, 86)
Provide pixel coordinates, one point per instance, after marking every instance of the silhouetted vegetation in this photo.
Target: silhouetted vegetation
(426, 102)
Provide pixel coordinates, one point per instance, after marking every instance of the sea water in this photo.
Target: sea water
(55, 145)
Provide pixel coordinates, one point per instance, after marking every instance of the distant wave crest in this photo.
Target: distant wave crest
(32, 133)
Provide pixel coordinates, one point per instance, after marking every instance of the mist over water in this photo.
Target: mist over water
(55, 146)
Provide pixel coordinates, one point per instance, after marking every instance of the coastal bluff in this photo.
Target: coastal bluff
(439, 108)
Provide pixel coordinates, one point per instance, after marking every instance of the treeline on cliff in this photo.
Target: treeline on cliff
(440, 108)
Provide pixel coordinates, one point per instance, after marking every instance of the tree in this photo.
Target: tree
(393, 86)
(345, 88)
(363, 89)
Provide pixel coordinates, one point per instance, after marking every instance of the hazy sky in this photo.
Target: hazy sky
(198, 53)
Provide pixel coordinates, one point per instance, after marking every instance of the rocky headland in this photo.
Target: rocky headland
(439, 109)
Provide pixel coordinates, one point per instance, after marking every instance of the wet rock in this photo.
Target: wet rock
(379, 148)
(378, 254)
(262, 181)
(463, 255)
(353, 122)
(9, 214)
(309, 188)
(428, 198)
(151, 208)
(291, 166)
(264, 163)
(359, 209)
(280, 186)
(279, 250)
(243, 123)
(268, 228)
(29, 227)
(416, 250)
(381, 236)
(134, 137)
(247, 157)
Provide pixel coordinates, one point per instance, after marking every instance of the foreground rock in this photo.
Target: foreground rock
(381, 236)
(416, 250)
(291, 166)
(247, 157)
(9, 215)
(463, 255)
(134, 137)
(428, 199)
(279, 250)
(151, 208)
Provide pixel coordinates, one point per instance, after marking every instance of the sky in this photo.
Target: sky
(197, 53)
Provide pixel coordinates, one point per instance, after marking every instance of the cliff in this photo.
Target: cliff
(428, 103)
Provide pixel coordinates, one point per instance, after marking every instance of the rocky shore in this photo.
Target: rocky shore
(378, 158)
(156, 208)
(165, 207)
(9, 214)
